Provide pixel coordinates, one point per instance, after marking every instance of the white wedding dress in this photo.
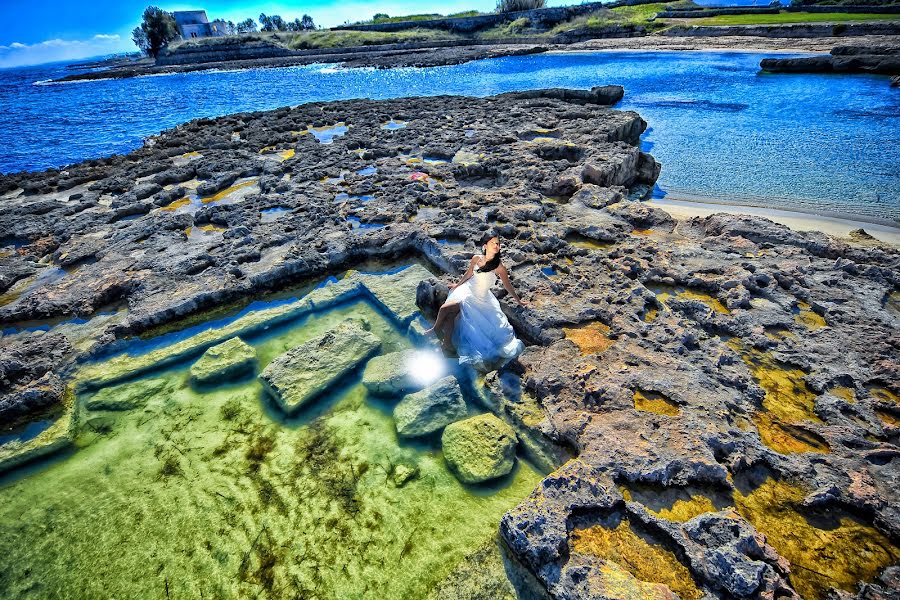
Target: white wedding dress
(482, 335)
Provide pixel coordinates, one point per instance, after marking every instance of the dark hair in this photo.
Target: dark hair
(492, 264)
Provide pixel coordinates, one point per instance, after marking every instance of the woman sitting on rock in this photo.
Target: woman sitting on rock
(471, 317)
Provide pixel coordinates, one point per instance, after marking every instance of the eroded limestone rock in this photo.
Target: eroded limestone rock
(223, 362)
(307, 370)
(430, 409)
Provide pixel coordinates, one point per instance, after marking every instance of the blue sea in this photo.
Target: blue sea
(723, 131)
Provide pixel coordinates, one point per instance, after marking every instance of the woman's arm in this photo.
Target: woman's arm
(469, 272)
(504, 277)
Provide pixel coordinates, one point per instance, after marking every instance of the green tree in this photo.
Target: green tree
(272, 23)
(159, 27)
(504, 6)
(380, 17)
(140, 40)
(246, 26)
(306, 23)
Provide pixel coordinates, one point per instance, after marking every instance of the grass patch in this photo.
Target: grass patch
(345, 39)
(793, 17)
(519, 27)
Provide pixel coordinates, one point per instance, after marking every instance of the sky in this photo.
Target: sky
(56, 30)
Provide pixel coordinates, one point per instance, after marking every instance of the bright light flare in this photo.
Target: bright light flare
(425, 367)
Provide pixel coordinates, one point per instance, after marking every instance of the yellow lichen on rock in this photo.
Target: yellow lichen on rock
(672, 503)
(844, 393)
(666, 293)
(787, 401)
(177, 204)
(655, 402)
(809, 319)
(592, 338)
(615, 540)
(227, 191)
(883, 394)
(888, 417)
(841, 552)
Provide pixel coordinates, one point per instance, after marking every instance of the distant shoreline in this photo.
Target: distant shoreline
(453, 52)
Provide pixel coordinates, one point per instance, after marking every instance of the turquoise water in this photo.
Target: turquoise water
(212, 493)
(722, 130)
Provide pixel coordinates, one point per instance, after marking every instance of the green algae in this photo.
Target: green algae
(210, 493)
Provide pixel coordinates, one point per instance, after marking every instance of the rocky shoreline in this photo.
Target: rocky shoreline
(879, 60)
(768, 38)
(729, 387)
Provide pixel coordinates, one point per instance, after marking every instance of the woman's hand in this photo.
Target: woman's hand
(453, 286)
(522, 302)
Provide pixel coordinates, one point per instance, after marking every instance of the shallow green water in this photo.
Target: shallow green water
(212, 494)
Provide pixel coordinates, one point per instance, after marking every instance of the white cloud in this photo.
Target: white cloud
(18, 54)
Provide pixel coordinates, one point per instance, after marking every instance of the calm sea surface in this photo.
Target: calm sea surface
(723, 131)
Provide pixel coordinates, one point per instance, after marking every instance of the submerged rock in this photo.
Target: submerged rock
(479, 448)
(223, 362)
(431, 409)
(126, 396)
(307, 370)
(403, 372)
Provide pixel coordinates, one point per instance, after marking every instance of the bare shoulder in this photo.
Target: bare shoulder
(501, 270)
(476, 261)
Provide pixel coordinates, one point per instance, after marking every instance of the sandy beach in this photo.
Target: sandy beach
(798, 221)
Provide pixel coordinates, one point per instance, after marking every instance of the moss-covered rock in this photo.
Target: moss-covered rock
(479, 448)
(307, 370)
(225, 361)
(431, 409)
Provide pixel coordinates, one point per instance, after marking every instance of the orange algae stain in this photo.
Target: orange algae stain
(650, 314)
(808, 318)
(177, 204)
(287, 154)
(227, 191)
(617, 541)
(642, 232)
(193, 154)
(787, 400)
(829, 550)
(592, 338)
(779, 333)
(655, 402)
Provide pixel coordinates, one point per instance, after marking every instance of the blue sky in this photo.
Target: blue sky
(45, 31)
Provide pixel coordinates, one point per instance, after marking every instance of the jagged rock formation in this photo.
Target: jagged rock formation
(728, 386)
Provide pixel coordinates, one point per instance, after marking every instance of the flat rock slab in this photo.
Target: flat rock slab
(399, 373)
(224, 362)
(479, 448)
(307, 370)
(431, 409)
(127, 396)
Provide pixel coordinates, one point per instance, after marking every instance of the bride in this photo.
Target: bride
(471, 317)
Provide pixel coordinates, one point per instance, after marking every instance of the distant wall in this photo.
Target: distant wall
(889, 10)
(798, 30)
(697, 13)
(541, 16)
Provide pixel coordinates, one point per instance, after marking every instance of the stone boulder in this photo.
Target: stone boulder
(479, 448)
(223, 362)
(127, 396)
(307, 370)
(431, 409)
(395, 374)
